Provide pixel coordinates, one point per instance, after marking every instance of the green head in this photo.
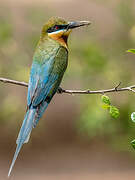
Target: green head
(58, 29)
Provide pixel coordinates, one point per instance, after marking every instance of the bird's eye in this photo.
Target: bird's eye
(53, 29)
(56, 27)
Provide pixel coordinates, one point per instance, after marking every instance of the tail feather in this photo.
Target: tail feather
(19, 145)
(27, 126)
(31, 119)
(24, 134)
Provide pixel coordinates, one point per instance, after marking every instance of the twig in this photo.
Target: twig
(61, 91)
(4, 80)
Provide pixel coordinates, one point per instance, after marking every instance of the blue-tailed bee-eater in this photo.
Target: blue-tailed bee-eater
(49, 64)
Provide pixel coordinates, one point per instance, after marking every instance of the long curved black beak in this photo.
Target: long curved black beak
(76, 24)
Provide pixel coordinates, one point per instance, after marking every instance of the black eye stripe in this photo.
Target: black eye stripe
(57, 27)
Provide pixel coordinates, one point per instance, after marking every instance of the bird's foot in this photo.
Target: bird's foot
(60, 90)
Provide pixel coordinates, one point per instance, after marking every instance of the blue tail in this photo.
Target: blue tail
(31, 119)
(24, 134)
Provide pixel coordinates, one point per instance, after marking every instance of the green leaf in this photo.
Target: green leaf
(105, 106)
(133, 116)
(133, 143)
(114, 112)
(105, 99)
(131, 51)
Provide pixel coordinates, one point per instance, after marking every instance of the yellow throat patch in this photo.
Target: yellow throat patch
(61, 37)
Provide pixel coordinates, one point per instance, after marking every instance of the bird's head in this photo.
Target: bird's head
(58, 29)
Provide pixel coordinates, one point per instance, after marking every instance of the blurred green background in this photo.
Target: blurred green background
(76, 138)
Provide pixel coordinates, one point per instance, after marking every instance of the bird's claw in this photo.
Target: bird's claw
(60, 90)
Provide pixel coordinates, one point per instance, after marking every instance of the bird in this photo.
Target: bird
(50, 61)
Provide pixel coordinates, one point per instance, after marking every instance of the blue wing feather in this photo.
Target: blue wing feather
(41, 81)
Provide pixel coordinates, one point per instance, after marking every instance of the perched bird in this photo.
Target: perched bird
(49, 64)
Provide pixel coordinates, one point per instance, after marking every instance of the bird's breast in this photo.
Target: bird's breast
(52, 51)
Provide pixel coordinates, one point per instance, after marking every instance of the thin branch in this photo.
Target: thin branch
(4, 80)
(61, 91)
